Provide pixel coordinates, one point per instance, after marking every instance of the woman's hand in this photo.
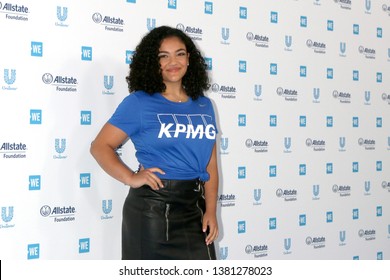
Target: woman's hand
(147, 177)
(210, 222)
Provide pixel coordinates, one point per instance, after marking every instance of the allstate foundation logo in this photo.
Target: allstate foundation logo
(386, 185)
(261, 41)
(287, 246)
(344, 4)
(7, 215)
(367, 144)
(287, 194)
(195, 33)
(223, 253)
(257, 251)
(225, 91)
(60, 147)
(367, 234)
(386, 97)
(225, 35)
(288, 39)
(227, 200)
(107, 209)
(258, 91)
(317, 145)
(317, 47)
(61, 83)
(13, 150)
(342, 190)
(59, 213)
(14, 11)
(317, 242)
(316, 192)
(287, 94)
(386, 9)
(108, 84)
(224, 145)
(342, 238)
(62, 16)
(367, 52)
(257, 197)
(110, 23)
(343, 97)
(9, 79)
(258, 146)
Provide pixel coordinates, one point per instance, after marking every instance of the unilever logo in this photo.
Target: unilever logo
(367, 97)
(257, 92)
(224, 145)
(342, 143)
(9, 79)
(287, 246)
(368, 6)
(257, 197)
(342, 238)
(288, 43)
(287, 145)
(316, 192)
(225, 34)
(62, 16)
(367, 187)
(316, 95)
(107, 209)
(7, 214)
(223, 253)
(108, 84)
(343, 49)
(60, 147)
(150, 24)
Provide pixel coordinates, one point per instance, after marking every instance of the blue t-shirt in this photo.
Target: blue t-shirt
(176, 137)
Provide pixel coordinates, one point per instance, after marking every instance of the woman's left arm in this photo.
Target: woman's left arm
(211, 193)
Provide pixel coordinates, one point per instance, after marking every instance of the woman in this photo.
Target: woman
(170, 211)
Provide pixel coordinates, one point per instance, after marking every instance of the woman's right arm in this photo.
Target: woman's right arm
(103, 150)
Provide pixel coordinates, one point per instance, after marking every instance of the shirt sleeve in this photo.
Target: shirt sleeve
(127, 115)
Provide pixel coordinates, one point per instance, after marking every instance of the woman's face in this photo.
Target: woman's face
(173, 58)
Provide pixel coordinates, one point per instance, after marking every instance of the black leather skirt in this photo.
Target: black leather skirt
(165, 224)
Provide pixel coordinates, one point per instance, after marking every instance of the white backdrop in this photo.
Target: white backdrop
(302, 93)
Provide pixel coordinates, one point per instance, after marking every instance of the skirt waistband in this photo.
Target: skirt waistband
(181, 184)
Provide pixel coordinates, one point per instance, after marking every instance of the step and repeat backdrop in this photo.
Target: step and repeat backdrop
(301, 89)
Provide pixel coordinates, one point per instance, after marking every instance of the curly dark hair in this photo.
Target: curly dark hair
(145, 67)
